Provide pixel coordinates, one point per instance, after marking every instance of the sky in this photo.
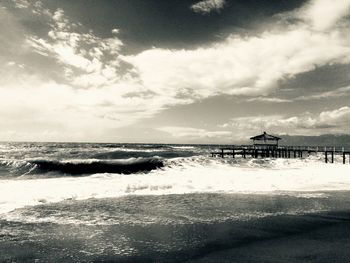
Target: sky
(173, 71)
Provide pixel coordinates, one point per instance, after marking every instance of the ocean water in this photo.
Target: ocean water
(65, 202)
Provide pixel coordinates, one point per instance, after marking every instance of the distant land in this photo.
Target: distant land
(321, 140)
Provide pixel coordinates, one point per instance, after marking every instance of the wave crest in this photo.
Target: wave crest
(82, 167)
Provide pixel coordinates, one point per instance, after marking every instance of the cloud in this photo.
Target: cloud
(35, 7)
(106, 89)
(95, 63)
(207, 6)
(49, 111)
(339, 116)
(191, 134)
(336, 93)
(252, 66)
(21, 3)
(323, 14)
(335, 121)
(88, 60)
(269, 99)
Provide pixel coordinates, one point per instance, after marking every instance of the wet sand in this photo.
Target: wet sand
(309, 238)
(321, 237)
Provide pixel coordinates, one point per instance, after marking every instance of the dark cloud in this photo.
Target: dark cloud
(169, 23)
(141, 94)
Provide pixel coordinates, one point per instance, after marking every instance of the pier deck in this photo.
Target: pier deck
(283, 152)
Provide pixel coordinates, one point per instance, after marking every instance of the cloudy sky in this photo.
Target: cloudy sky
(210, 71)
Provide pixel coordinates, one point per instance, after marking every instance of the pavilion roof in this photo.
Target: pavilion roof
(265, 137)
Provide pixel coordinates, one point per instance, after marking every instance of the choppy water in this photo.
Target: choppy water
(138, 202)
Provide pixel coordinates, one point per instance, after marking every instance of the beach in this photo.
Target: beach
(176, 204)
(146, 229)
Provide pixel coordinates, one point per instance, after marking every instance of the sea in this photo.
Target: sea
(94, 202)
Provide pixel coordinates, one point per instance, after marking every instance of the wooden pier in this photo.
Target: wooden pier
(253, 151)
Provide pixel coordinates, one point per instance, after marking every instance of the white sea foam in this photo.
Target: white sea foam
(180, 176)
(183, 147)
(128, 149)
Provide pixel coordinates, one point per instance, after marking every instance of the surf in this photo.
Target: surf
(180, 176)
(80, 167)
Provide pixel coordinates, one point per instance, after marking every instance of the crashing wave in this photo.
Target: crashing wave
(82, 167)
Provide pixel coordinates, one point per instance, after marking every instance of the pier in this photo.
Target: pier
(251, 151)
(266, 146)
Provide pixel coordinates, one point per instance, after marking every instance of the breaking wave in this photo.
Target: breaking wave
(81, 167)
(176, 176)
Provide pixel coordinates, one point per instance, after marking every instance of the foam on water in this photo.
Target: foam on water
(183, 176)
